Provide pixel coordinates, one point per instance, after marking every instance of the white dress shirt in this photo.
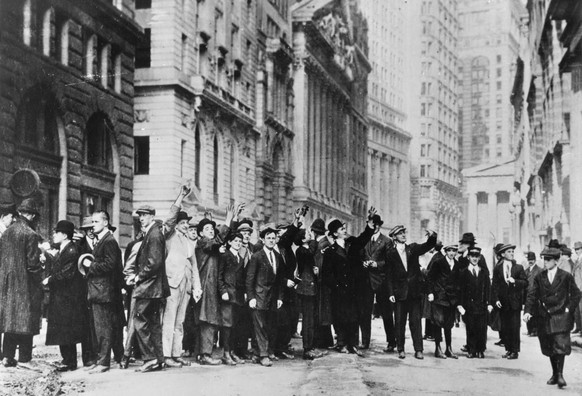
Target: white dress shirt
(401, 248)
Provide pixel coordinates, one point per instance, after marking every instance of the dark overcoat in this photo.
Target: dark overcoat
(442, 282)
(150, 266)
(510, 295)
(21, 290)
(407, 283)
(324, 292)
(376, 251)
(105, 275)
(262, 283)
(231, 280)
(305, 265)
(339, 274)
(474, 292)
(67, 309)
(207, 257)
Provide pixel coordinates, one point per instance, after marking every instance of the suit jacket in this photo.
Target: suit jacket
(231, 277)
(262, 283)
(377, 251)
(289, 263)
(547, 299)
(474, 292)
(150, 266)
(324, 293)
(443, 282)
(104, 276)
(510, 295)
(305, 265)
(407, 283)
(180, 255)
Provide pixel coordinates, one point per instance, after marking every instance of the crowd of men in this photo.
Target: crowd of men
(184, 288)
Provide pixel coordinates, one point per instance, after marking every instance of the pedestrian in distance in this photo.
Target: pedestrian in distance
(554, 295)
(531, 271)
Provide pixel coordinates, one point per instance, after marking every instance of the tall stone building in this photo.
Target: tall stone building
(388, 138)
(330, 126)
(547, 105)
(196, 76)
(488, 48)
(435, 193)
(67, 108)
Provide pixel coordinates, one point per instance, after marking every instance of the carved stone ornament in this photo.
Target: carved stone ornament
(141, 115)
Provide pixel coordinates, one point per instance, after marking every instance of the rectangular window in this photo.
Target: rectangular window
(422, 171)
(143, 51)
(141, 155)
(498, 58)
(182, 157)
(498, 72)
(143, 4)
(499, 85)
(423, 150)
(184, 53)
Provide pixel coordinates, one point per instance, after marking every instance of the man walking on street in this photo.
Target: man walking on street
(531, 271)
(405, 286)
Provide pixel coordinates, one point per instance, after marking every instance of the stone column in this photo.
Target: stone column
(472, 213)
(576, 154)
(492, 226)
(301, 191)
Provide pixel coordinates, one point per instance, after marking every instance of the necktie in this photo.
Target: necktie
(272, 260)
(474, 272)
(551, 276)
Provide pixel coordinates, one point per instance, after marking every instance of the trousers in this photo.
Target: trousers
(173, 316)
(148, 328)
(24, 344)
(411, 309)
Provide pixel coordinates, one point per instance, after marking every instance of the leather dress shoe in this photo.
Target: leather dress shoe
(389, 349)
(418, 355)
(226, 359)
(169, 362)
(480, 355)
(266, 362)
(449, 353)
(9, 362)
(149, 366)
(438, 353)
(323, 352)
(506, 355)
(499, 343)
(364, 346)
(98, 369)
(125, 362)
(472, 355)
(401, 355)
(464, 348)
(236, 359)
(208, 360)
(312, 354)
(513, 356)
(286, 355)
(560, 381)
(356, 351)
(66, 367)
(343, 350)
(183, 362)
(273, 357)
(553, 379)
(90, 367)
(255, 359)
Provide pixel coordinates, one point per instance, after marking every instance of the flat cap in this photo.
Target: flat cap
(396, 230)
(146, 209)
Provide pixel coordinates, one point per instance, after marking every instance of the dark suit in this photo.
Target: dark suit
(231, 281)
(323, 336)
(104, 280)
(443, 285)
(149, 292)
(510, 295)
(549, 300)
(306, 291)
(264, 285)
(406, 285)
(370, 282)
(474, 295)
(531, 272)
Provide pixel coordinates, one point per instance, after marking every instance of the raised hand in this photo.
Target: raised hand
(185, 190)
(208, 215)
(371, 212)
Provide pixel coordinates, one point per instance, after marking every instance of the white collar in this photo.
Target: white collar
(341, 242)
(474, 267)
(234, 252)
(553, 270)
(102, 233)
(400, 246)
(63, 245)
(146, 230)
(267, 250)
(375, 236)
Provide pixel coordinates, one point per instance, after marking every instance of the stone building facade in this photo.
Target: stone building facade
(547, 106)
(66, 125)
(388, 138)
(330, 125)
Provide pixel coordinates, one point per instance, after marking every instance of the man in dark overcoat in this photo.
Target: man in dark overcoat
(474, 294)
(443, 294)
(20, 285)
(104, 273)
(150, 290)
(555, 295)
(319, 243)
(370, 282)
(509, 280)
(405, 286)
(264, 287)
(531, 271)
(67, 319)
(340, 263)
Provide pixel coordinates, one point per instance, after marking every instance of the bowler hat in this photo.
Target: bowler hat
(183, 216)
(551, 252)
(377, 220)
(468, 237)
(505, 247)
(396, 230)
(28, 206)
(232, 236)
(66, 227)
(318, 226)
(204, 222)
(146, 209)
(6, 209)
(577, 245)
(531, 256)
(334, 225)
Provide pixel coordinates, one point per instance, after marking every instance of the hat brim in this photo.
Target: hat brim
(82, 269)
(504, 248)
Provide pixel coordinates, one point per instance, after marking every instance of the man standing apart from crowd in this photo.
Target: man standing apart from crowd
(21, 291)
(509, 280)
(405, 286)
(531, 271)
(150, 290)
(556, 296)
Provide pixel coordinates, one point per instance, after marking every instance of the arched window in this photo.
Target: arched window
(64, 42)
(98, 151)
(90, 46)
(27, 22)
(197, 162)
(48, 32)
(37, 121)
(215, 169)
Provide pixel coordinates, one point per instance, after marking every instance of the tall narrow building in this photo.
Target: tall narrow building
(388, 138)
(435, 194)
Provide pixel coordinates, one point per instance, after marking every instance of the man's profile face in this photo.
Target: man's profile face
(99, 222)
(145, 219)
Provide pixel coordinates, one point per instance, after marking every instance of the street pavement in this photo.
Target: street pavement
(338, 374)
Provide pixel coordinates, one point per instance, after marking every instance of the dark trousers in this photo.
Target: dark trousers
(107, 329)
(387, 312)
(190, 328)
(288, 316)
(207, 337)
(510, 325)
(265, 329)
(411, 309)
(347, 334)
(69, 354)
(24, 344)
(476, 330)
(365, 308)
(148, 328)
(308, 322)
(531, 327)
(242, 331)
(228, 334)
(323, 336)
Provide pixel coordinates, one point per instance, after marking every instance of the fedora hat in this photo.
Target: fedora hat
(87, 222)
(28, 206)
(577, 245)
(551, 252)
(318, 226)
(468, 237)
